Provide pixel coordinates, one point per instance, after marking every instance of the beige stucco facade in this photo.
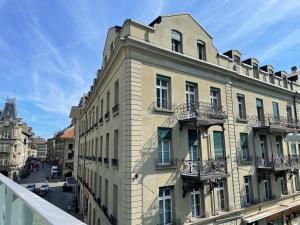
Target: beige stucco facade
(123, 174)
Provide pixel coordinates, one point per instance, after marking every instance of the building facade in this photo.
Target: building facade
(174, 132)
(40, 146)
(15, 145)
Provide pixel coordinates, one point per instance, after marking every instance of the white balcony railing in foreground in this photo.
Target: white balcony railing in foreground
(18, 206)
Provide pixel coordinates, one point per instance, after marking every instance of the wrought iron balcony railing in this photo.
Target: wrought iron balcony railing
(278, 162)
(18, 206)
(273, 121)
(201, 111)
(204, 169)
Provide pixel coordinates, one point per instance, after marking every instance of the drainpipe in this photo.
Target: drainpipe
(295, 110)
(255, 159)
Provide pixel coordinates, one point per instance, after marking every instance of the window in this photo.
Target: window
(263, 147)
(266, 189)
(106, 193)
(244, 146)
(237, 60)
(283, 185)
(279, 146)
(215, 97)
(107, 146)
(101, 145)
(275, 111)
(193, 145)
(289, 113)
(162, 92)
(221, 196)
(241, 106)
(115, 201)
(116, 143)
(100, 187)
(218, 144)
(293, 150)
(271, 77)
(255, 71)
(102, 105)
(260, 109)
(191, 95)
(116, 93)
(176, 39)
(164, 142)
(195, 199)
(248, 191)
(165, 206)
(111, 48)
(107, 101)
(201, 50)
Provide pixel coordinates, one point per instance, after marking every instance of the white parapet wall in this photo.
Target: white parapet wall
(18, 206)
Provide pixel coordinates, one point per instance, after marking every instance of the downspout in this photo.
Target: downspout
(295, 109)
(255, 159)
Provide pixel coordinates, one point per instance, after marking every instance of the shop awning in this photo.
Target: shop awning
(283, 207)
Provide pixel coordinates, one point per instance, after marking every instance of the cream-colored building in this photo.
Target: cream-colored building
(15, 144)
(174, 132)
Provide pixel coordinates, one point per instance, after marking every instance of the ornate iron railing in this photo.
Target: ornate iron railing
(273, 121)
(204, 168)
(200, 110)
(279, 162)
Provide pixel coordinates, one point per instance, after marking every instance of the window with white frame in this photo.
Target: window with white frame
(176, 41)
(255, 71)
(241, 106)
(201, 50)
(221, 196)
(266, 189)
(215, 97)
(196, 206)
(191, 95)
(247, 185)
(162, 92)
(271, 77)
(244, 146)
(165, 206)
(164, 145)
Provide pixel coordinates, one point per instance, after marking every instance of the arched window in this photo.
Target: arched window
(271, 77)
(176, 39)
(201, 50)
(255, 71)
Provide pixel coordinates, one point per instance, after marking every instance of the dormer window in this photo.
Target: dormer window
(255, 71)
(176, 39)
(285, 83)
(236, 60)
(271, 77)
(201, 50)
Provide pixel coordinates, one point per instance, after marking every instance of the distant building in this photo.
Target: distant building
(60, 150)
(40, 145)
(15, 147)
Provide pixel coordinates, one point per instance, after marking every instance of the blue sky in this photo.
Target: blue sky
(50, 50)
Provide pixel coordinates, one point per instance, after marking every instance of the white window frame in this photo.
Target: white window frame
(215, 98)
(194, 195)
(221, 189)
(247, 185)
(164, 198)
(161, 142)
(189, 93)
(161, 89)
(241, 104)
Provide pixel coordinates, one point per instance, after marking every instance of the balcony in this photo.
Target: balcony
(203, 113)
(273, 123)
(204, 169)
(279, 163)
(115, 110)
(18, 206)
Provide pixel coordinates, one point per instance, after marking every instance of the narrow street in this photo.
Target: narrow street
(55, 196)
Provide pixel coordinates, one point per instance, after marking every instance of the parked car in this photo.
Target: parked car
(31, 187)
(54, 170)
(44, 188)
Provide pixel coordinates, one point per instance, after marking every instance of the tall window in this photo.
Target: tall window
(102, 105)
(107, 146)
(193, 145)
(241, 106)
(115, 201)
(116, 93)
(164, 145)
(215, 97)
(107, 101)
(283, 185)
(289, 113)
(244, 146)
(101, 146)
(106, 193)
(279, 146)
(267, 190)
(201, 50)
(248, 192)
(237, 60)
(176, 39)
(271, 77)
(162, 92)
(293, 150)
(191, 95)
(165, 206)
(260, 109)
(116, 143)
(218, 144)
(275, 111)
(195, 199)
(255, 71)
(263, 147)
(221, 196)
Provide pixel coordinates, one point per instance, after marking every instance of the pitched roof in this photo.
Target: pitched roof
(69, 133)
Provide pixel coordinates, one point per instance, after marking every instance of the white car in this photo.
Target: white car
(31, 187)
(44, 188)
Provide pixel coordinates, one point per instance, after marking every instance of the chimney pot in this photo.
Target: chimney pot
(294, 69)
